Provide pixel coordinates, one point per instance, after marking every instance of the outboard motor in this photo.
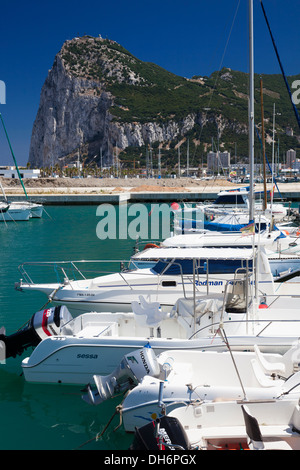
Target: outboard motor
(166, 433)
(42, 324)
(133, 367)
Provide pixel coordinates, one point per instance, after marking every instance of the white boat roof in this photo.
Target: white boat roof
(195, 253)
(234, 192)
(224, 239)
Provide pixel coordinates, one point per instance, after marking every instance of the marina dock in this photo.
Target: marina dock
(114, 197)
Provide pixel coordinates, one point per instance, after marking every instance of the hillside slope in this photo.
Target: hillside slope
(100, 99)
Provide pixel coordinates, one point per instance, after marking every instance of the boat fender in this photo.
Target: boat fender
(150, 245)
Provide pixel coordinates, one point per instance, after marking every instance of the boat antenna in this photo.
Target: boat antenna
(280, 64)
(263, 142)
(267, 161)
(222, 333)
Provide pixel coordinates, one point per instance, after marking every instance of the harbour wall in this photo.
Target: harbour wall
(132, 197)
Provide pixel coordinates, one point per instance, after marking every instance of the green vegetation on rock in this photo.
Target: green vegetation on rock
(143, 92)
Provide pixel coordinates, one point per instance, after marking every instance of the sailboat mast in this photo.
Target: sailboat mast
(263, 144)
(14, 158)
(251, 112)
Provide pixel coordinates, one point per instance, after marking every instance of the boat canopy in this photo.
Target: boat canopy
(195, 253)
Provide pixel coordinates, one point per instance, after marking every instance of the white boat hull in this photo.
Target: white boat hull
(222, 426)
(16, 215)
(103, 339)
(73, 363)
(115, 292)
(197, 377)
(36, 210)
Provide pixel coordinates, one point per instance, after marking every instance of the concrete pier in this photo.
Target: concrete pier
(130, 194)
(95, 199)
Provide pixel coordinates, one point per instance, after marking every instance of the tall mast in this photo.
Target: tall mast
(188, 158)
(263, 144)
(251, 111)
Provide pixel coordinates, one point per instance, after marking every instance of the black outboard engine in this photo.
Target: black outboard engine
(42, 324)
(166, 433)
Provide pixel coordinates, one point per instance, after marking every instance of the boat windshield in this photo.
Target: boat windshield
(185, 266)
(230, 199)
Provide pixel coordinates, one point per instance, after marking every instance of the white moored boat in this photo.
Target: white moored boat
(16, 212)
(262, 425)
(238, 200)
(72, 350)
(194, 377)
(36, 210)
(224, 425)
(170, 273)
(169, 278)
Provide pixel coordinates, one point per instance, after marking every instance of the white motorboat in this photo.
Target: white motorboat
(189, 377)
(238, 222)
(229, 213)
(168, 278)
(275, 242)
(170, 274)
(194, 221)
(72, 350)
(238, 200)
(224, 425)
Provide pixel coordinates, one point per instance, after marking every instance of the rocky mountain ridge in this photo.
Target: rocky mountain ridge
(98, 99)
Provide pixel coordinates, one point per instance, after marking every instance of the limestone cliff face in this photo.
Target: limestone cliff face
(74, 115)
(99, 96)
(70, 115)
(78, 105)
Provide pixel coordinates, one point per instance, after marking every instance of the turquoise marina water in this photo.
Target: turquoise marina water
(40, 416)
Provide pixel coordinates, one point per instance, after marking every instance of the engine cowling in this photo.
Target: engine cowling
(131, 370)
(44, 323)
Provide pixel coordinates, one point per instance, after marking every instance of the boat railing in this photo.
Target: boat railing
(65, 271)
(60, 273)
(264, 324)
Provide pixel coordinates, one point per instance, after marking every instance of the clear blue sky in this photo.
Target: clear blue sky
(185, 37)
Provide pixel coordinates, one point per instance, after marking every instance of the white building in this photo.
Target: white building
(11, 172)
(290, 158)
(216, 161)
